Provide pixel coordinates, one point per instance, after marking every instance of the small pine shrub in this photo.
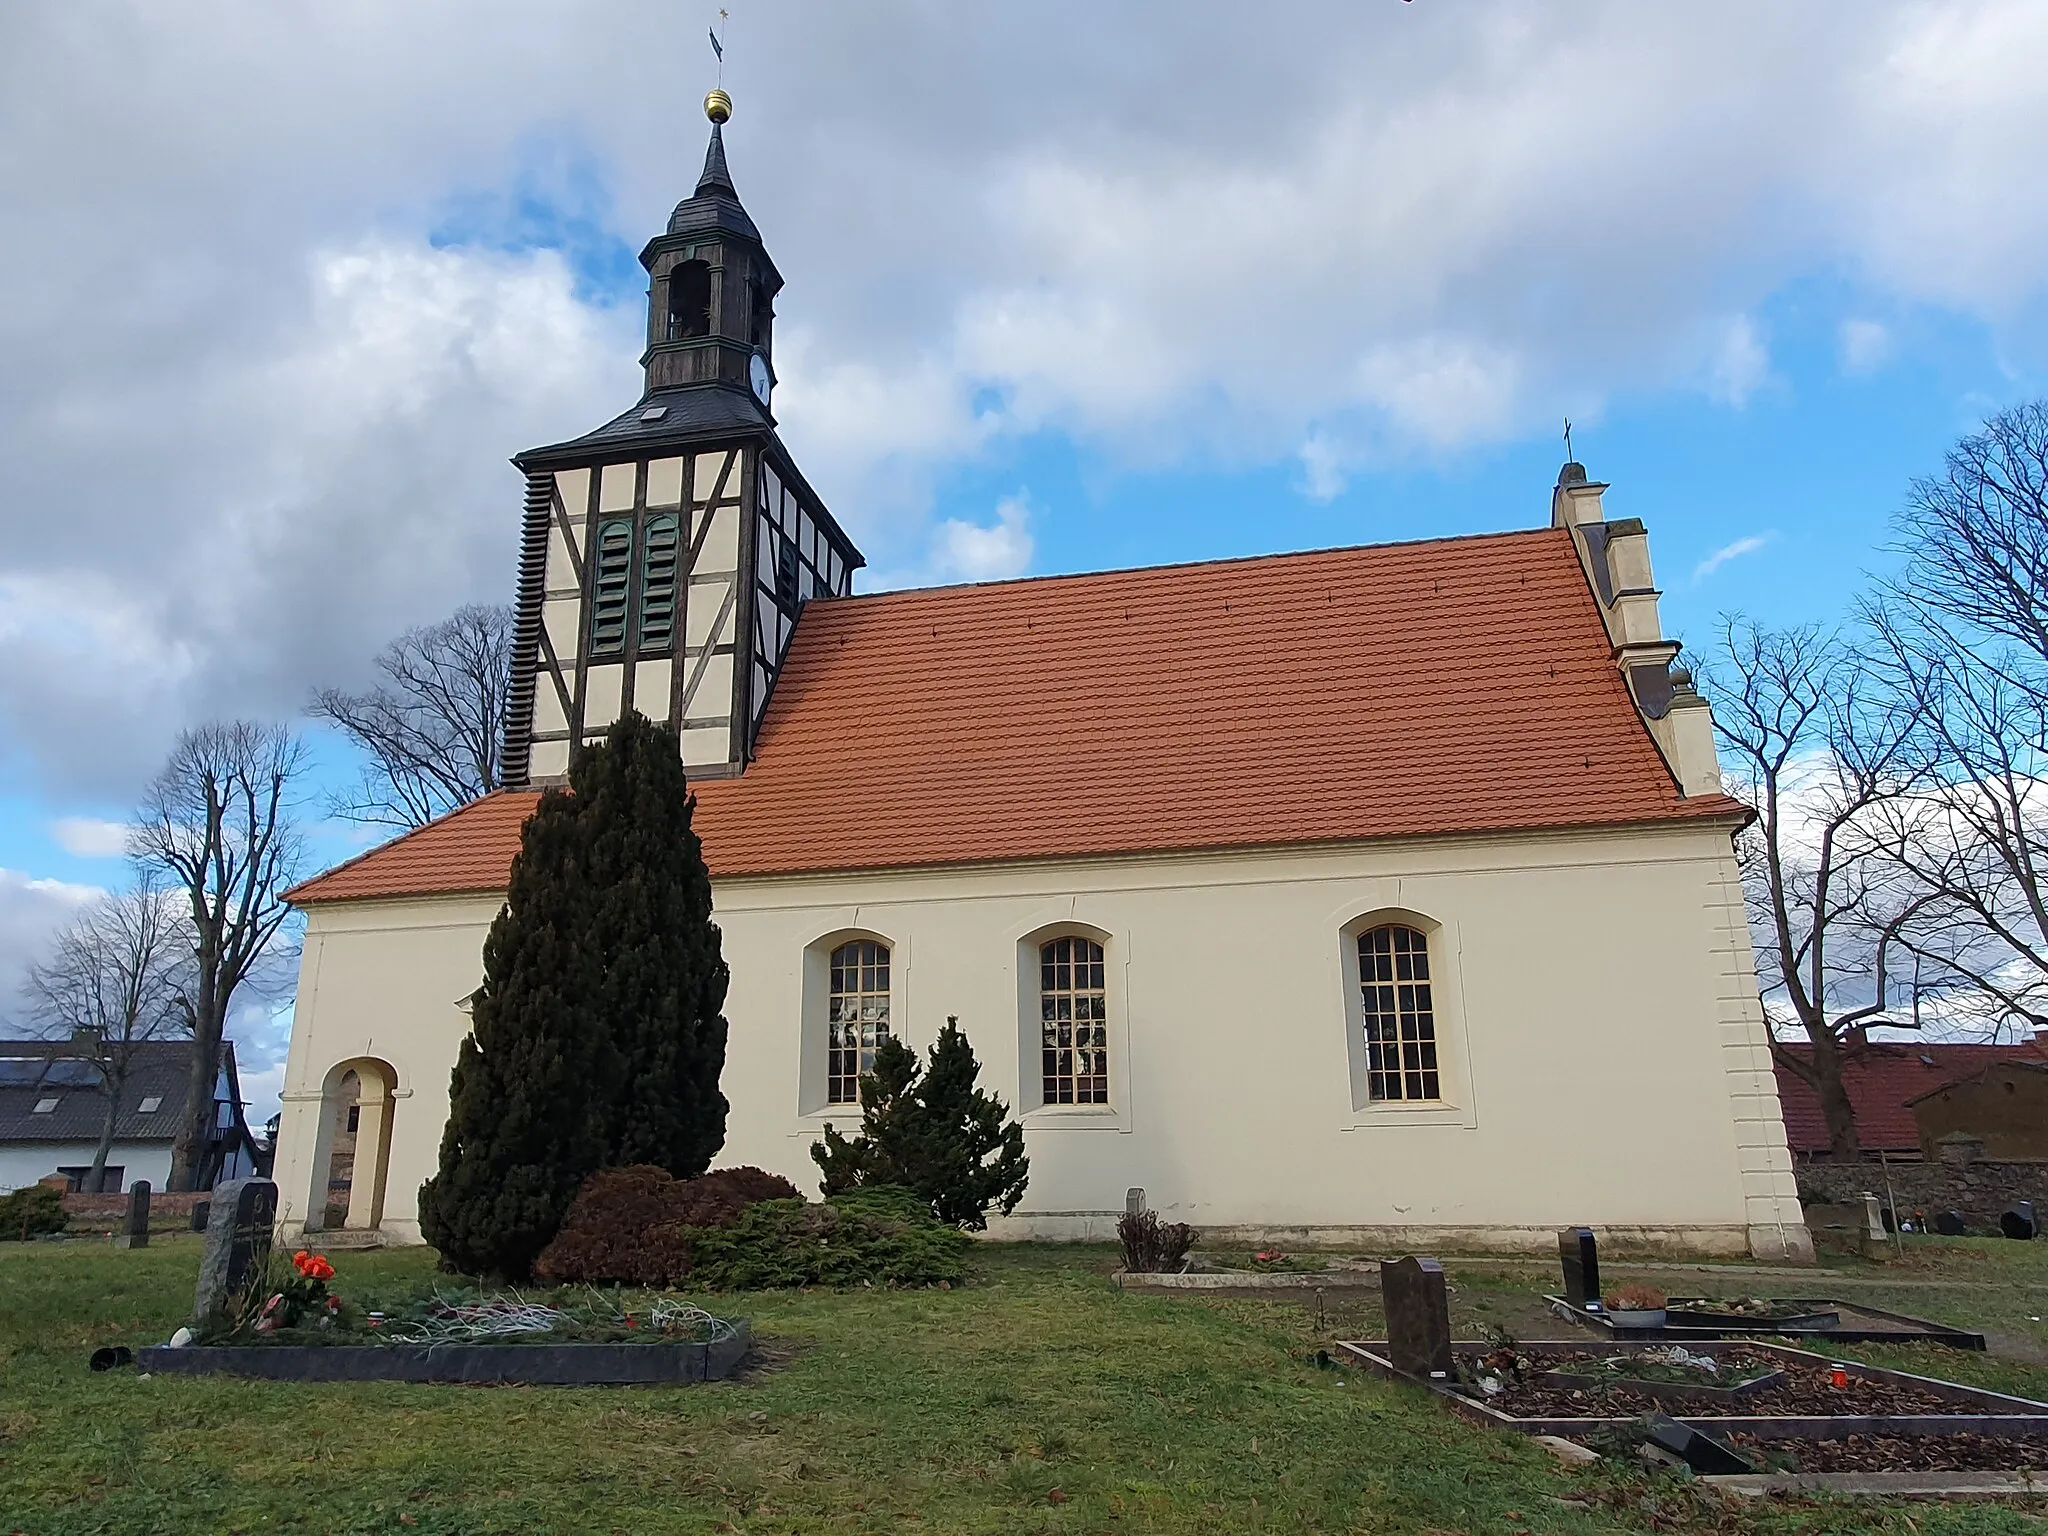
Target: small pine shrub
(874, 1236)
(1152, 1246)
(638, 1226)
(929, 1129)
(31, 1212)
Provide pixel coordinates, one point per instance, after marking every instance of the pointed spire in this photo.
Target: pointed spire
(716, 180)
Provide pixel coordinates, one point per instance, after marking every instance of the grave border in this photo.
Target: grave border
(2029, 1425)
(1924, 1331)
(530, 1365)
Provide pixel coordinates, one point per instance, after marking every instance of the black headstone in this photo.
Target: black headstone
(2018, 1222)
(1949, 1223)
(201, 1210)
(1579, 1254)
(1702, 1453)
(134, 1232)
(1418, 1317)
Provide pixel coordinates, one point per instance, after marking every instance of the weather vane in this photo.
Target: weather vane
(718, 105)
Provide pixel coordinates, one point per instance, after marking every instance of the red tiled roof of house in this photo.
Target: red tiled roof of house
(1399, 690)
(1882, 1084)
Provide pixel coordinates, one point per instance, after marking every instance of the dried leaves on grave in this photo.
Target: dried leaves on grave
(1152, 1246)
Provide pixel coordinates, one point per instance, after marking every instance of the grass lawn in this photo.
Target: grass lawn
(1035, 1399)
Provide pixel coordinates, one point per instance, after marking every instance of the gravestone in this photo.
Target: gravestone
(1418, 1317)
(237, 1244)
(134, 1232)
(1134, 1202)
(1949, 1223)
(1876, 1242)
(2018, 1222)
(1703, 1453)
(1579, 1254)
(201, 1211)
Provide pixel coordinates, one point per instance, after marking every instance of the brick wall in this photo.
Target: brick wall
(168, 1212)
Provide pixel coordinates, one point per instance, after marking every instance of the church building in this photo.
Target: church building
(1382, 896)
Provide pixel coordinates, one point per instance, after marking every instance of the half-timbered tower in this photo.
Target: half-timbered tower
(667, 554)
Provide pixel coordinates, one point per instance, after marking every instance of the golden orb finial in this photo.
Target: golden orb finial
(718, 106)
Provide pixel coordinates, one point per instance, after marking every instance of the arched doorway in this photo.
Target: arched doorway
(348, 1182)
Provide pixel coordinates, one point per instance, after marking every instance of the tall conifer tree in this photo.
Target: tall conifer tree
(598, 1038)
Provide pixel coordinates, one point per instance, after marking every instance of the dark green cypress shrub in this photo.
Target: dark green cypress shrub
(933, 1132)
(597, 1039)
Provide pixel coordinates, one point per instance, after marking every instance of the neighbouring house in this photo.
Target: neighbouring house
(1907, 1095)
(2002, 1106)
(52, 1110)
(1381, 895)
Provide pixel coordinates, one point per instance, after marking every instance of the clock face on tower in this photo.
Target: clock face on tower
(758, 377)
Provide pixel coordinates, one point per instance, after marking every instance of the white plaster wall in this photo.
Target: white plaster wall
(1604, 1066)
(383, 981)
(26, 1163)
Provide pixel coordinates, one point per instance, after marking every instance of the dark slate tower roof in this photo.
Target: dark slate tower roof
(715, 205)
(696, 385)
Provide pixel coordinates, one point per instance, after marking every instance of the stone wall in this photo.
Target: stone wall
(1981, 1190)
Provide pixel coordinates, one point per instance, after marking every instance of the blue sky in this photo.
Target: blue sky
(1069, 287)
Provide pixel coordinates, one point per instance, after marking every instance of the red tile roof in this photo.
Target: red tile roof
(1882, 1083)
(1453, 686)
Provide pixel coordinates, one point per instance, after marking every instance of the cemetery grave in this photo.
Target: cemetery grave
(254, 1317)
(1699, 1318)
(1724, 1408)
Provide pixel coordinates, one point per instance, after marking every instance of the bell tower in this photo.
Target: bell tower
(666, 556)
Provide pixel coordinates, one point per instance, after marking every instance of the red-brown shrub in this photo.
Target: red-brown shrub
(631, 1226)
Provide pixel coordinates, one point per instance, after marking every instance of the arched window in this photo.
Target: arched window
(857, 1016)
(658, 583)
(1073, 1021)
(689, 300)
(610, 583)
(1400, 1014)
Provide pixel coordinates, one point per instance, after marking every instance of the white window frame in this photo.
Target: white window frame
(1456, 1105)
(814, 1104)
(1032, 1112)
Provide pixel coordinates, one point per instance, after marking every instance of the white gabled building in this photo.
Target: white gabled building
(1381, 895)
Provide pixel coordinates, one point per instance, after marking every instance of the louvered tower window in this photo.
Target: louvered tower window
(1074, 1022)
(1400, 1014)
(611, 587)
(658, 583)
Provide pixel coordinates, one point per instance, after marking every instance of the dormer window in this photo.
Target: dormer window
(689, 300)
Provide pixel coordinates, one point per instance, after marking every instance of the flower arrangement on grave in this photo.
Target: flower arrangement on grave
(1637, 1306)
(1637, 1298)
(302, 1297)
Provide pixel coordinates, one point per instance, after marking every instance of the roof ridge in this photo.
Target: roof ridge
(1274, 557)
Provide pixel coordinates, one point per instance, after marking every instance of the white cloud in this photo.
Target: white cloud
(1727, 552)
(85, 837)
(964, 551)
(258, 382)
(1741, 364)
(1866, 346)
(31, 911)
(1323, 468)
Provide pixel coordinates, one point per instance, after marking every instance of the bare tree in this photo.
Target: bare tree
(434, 731)
(218, 824)
(114, 981)
(1818, 751)
(1962, 638)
